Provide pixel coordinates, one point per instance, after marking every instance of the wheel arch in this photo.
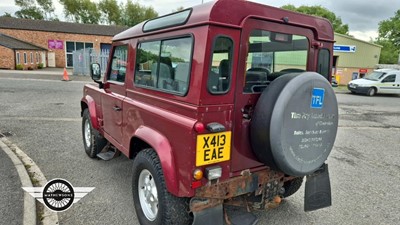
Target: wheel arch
(146, 137)
(88, 102)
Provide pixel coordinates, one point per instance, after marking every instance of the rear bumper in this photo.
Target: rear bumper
(247, 183)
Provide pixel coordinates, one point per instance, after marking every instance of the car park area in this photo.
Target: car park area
(364, 164)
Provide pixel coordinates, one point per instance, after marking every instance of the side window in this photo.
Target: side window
(389, 79)
(323, 62)
(220, 72)
(165, 64)
(271, 55)
(146, 63)
(118, 64)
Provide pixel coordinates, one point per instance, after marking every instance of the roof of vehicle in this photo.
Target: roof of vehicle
(387, 70)
(233, 13)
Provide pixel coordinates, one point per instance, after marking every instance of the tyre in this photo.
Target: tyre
(371, 91)
(154, 205)
(292, 186)
(93, 142)
(294, 124)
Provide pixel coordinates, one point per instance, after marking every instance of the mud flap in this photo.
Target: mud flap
(318, 190)
(213, 215)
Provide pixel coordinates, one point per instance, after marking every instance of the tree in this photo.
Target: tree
(389, 52)
(35, 9)
(107, 11)
(390, 29)
(320, 11)
(6, 14)
(134, 13)
(110, 11)
(81, 11)
(389, 38)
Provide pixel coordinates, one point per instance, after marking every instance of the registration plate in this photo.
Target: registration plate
(213, 148)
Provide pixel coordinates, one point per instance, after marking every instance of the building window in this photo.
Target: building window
(37, 58)
(72, 46)
(17, 59)
(31, 57)
(25, 58)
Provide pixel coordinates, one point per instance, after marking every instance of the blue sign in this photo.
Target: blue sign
(344, 48)
(317, 98)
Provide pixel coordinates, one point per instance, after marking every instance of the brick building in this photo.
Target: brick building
(55, 40)
(15, 52)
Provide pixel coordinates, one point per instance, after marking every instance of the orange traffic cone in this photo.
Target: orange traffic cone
(65, 76)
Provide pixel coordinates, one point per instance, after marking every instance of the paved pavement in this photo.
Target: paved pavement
(11, 193)
(45, 74)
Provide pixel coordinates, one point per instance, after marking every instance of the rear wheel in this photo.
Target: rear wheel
(154, 205)
(93, 142)
(371, 91)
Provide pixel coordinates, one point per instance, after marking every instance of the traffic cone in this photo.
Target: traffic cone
(65, 76)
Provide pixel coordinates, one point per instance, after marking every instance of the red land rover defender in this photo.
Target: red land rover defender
(226, 101)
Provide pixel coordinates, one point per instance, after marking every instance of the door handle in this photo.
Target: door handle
(116, 108)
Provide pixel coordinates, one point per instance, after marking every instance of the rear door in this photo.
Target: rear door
(115, 93)
(397, 83)
(268, 50)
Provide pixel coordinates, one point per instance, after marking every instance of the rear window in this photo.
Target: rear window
(271, 55)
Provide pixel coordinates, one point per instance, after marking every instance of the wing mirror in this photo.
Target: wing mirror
(95, 71)
(95, 74)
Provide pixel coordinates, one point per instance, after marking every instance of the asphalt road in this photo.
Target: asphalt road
(44, 118)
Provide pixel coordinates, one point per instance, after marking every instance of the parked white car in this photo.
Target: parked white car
(383, 81)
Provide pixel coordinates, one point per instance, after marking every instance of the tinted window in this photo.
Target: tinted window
(272, 55)
(119, 64)
(389, 79)
(323, 62)
(164, 64)
(171, 20)
(220, 72)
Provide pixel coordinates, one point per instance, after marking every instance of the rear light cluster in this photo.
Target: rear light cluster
(199, 127)
(211, 173)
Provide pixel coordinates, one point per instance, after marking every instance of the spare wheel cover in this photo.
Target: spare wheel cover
(294, 124)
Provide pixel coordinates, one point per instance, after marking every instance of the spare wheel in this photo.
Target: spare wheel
(294, 124)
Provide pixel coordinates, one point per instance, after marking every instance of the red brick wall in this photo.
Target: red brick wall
(31, 63)
(6, 58)
(40, 38)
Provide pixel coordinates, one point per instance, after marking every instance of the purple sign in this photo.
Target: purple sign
(55, 44)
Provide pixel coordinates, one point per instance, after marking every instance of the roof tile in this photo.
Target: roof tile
(60, 27)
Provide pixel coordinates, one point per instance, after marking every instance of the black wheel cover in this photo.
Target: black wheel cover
(294, 124)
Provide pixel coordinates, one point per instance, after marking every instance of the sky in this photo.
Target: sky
(362, 16)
